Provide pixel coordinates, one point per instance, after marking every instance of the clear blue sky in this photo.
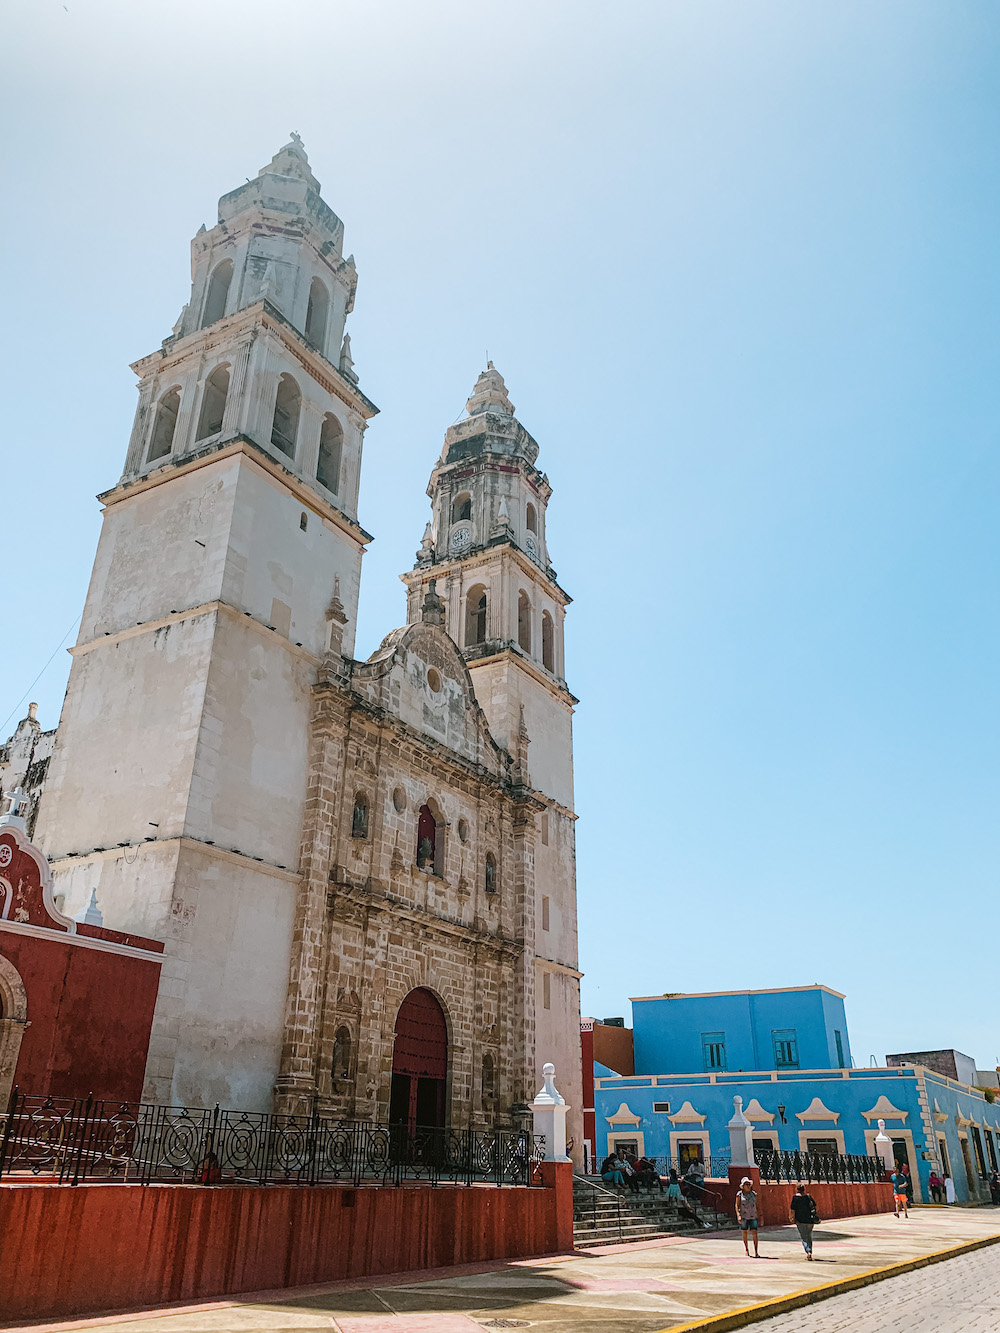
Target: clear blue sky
(739, 264)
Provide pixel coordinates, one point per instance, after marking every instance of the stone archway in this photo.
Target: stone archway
(13, 1021)
(419, 1063)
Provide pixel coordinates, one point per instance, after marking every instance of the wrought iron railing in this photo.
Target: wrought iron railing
(77, 1140)
(829, 1167)
(714, 1168)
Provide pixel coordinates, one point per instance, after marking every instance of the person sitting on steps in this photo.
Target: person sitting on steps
(614, 1171)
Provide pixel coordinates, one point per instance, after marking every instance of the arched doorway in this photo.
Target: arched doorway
(13, 1020)
(419, 1063)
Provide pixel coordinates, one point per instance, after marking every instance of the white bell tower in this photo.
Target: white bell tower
(178, 782)
(486, 548)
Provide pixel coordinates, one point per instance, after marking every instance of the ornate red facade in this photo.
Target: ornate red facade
(76, 999)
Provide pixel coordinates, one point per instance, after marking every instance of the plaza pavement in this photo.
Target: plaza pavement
(646, 1287)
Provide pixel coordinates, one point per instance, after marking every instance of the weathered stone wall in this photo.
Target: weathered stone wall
(372, 926)
(24, 764)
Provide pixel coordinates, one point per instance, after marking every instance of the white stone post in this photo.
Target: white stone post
(549, 1110)
(883, 1147)
(740, 1137)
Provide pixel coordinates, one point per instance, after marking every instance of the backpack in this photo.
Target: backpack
(813, 1210)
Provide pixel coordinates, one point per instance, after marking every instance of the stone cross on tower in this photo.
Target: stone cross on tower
(13, 816)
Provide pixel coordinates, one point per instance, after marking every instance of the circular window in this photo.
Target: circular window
(463, 829)
(434, 679)
(399, 800)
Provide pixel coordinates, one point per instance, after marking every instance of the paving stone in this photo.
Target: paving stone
(650, 1286)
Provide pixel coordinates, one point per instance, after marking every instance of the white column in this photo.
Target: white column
(235, 418)
(549, 1109)
(740, 1136)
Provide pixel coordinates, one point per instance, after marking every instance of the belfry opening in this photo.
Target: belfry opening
(419, 1063)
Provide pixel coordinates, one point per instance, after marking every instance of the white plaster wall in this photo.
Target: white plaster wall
(247, 786)
(134, 887)
(149, 561)
(501, 688)
(555, 878)
(227, 927)
(557, 1038)
(219, 1018)
(125, 748)
(269, 556)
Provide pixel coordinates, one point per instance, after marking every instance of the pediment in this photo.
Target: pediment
(623, 1116)
(419, 675)
(26, 883)
(884, 1110)
(756, 1112)
(817, 1111)
(687, 1115)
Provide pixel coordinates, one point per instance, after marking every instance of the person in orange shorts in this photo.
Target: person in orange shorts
(899, 1195)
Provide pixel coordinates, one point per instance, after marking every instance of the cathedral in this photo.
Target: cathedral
(362, 872)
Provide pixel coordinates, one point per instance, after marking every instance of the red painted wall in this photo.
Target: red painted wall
(774, 1201)
(122, 1246)
(90, 1016)
(587, 1054)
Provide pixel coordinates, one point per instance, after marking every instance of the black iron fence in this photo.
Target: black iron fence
(77, 1140)
(833, 1168)
(661, 1167)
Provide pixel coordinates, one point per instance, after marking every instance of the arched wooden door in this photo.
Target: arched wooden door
(419, 1063)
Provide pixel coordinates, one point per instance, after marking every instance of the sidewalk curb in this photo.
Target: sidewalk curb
(751, 1314)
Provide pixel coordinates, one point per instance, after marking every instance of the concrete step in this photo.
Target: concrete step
(584, 1236)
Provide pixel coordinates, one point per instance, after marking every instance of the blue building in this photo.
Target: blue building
(799, 1027)
(801, 1095)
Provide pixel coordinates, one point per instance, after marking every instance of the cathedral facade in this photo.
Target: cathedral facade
(363, 872)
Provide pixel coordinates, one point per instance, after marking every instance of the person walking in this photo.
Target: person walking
(899, 1195)
(746, 1214)
(805, 1215)
(905, 1168)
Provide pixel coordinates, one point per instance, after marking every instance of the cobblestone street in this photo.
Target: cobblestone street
(957, 1296)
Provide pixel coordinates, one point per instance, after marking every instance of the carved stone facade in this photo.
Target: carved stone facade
(393, 736)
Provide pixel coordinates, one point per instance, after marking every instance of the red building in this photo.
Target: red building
(608, 1044)
(76, 999)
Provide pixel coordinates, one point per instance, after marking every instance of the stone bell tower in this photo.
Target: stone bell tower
(230, 553)
(486, 548)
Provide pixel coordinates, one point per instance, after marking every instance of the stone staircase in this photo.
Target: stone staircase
(603, 1216)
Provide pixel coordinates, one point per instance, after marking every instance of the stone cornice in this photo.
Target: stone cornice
(379, 716)
(185, 844)
(491, 462)
(510, 652)
(80, 941)
(485, 555)
(375, 901)
(176, 618)
(262, 314)
(550, 965)
(256, 456)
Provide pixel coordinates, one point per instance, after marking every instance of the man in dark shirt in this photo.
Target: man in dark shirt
(805, 1215)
